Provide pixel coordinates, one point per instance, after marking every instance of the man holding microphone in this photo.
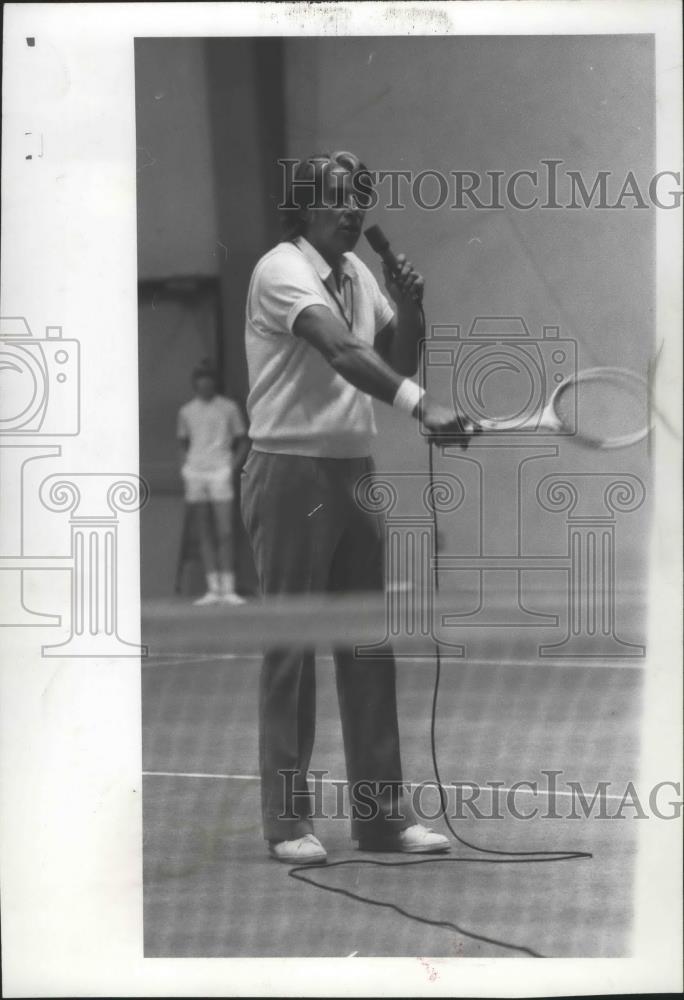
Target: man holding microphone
(321, 340)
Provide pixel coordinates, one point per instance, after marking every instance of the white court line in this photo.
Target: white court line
(182, 659)
(199, 774)
(428, 783)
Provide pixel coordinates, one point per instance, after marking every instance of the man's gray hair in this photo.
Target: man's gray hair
(305, 187)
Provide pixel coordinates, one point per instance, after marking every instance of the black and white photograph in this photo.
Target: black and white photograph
(341, 508)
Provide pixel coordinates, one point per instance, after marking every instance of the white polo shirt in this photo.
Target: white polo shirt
(297, 403)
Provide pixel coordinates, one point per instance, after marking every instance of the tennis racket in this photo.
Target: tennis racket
(598, 407)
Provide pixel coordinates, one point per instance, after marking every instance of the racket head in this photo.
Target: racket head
(603, 407)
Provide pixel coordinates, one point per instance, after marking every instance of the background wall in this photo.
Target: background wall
(209, 131)
(177, 222)
(229, 107)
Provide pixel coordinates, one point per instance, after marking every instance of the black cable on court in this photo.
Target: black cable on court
(493, 856)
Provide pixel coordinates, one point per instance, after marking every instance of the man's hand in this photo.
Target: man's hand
(406, 285)
(444, 424)
(240, 451)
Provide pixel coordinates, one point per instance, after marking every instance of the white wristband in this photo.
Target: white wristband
(409, 394)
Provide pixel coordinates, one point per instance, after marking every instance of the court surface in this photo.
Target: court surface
(211, 890)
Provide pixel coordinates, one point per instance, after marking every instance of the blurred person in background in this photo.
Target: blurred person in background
(213, 440)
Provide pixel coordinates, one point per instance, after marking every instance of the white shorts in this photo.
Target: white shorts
(201, 487)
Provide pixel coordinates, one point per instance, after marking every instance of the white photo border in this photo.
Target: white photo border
(70, 729)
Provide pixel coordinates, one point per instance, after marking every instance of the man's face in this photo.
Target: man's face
(335, 227)
(205, 386)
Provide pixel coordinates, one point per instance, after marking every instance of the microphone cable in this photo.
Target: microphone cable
(492, 856)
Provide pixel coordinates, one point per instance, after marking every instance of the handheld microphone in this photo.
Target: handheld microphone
(380, 244)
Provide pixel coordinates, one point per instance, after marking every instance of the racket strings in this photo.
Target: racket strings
(605, 407)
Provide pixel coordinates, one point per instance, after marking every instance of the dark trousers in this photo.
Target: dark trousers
(308, 535)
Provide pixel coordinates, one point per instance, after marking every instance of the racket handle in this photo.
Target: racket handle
(462, 438)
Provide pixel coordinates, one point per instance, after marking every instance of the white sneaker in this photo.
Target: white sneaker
(414, 839)
(211, 597)
(231, 598)
(306, 850)
(418, 839)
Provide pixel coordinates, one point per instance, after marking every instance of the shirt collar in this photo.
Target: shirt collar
(321, 266)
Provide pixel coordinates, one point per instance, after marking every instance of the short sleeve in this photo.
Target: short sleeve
(284, 286)
(182, 430)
